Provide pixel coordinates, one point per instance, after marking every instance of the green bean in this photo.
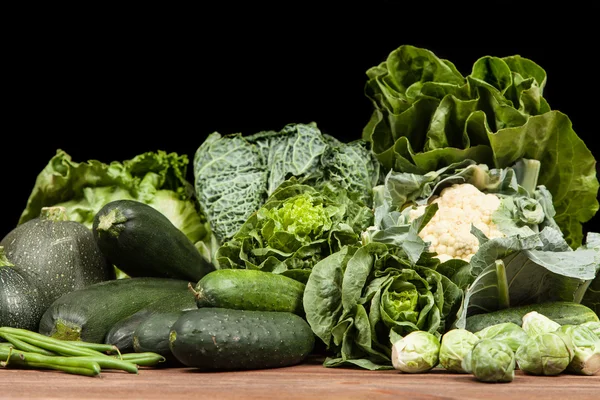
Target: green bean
(86, 371)
(22, 345)
(63, 349)
(48, 343)
(111, 363)
(34, 360)
(144, 359)
(101, 347)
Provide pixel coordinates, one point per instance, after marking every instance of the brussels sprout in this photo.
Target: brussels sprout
(544, 354)
(586, 349)
(506, 332)
(491, 361)
(535, 323)
(455, 345)
(594, 326)
(416, 352)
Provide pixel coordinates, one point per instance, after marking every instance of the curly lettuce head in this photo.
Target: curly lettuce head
(302, 217)
(296, 227)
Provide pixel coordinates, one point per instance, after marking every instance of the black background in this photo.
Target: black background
(112, 87)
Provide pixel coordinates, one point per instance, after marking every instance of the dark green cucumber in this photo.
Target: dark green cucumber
(152, 335)
(88, 314)
(250, 289)
(562, 312)
(121, 333)
(141, 241)
(216, 338)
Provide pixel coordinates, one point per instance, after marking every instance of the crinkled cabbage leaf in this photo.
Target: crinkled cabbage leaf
(235, 174)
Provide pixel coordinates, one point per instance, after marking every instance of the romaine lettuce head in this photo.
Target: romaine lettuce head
(296, 227)
(427, 115)
(362, 299)
(83, 188)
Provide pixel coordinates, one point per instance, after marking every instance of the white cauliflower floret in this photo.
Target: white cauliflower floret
(449, 231)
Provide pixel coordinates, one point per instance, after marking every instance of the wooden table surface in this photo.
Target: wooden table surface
(309, 380)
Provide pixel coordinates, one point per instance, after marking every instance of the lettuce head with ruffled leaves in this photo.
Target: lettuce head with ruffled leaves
(427, 115)
(155, 178)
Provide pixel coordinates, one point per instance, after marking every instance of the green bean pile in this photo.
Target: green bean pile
(27, 349)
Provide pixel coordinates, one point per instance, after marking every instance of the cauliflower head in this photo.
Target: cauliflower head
(449, 231)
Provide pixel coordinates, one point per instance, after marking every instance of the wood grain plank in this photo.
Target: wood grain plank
(308, 380)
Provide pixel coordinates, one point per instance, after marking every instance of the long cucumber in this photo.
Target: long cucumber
(248, 289)
(562, 312)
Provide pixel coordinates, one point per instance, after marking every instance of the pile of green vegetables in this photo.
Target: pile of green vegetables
(459, 211)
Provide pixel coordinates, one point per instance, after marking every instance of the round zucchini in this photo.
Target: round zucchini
(227, 339)
(21, 304)
(142, 242)
(58, 255)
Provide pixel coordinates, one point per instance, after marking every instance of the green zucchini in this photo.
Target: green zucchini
(141, 241)
(88, 314)
(121, 333)
(216, 338)
(562, 312)
(152, 335)
(250, 289)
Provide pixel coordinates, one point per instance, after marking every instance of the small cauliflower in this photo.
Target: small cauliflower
(449, 231)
